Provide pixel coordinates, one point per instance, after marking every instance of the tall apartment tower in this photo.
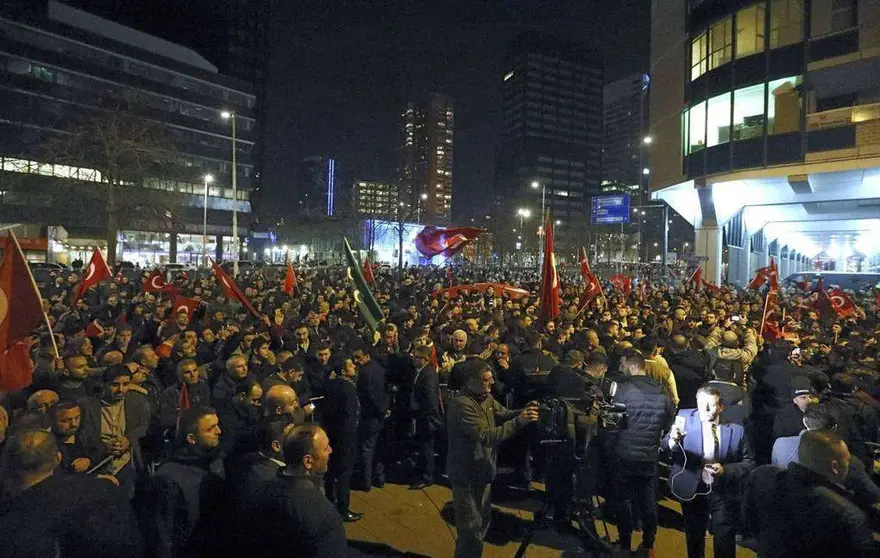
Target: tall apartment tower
(426, 157)
(551, 143)
(625, 117)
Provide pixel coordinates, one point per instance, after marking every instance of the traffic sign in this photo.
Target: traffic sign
(610, 210)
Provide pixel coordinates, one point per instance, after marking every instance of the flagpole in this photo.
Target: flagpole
(764, 315)
(39, 296)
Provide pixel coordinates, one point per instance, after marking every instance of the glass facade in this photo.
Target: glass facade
(709, 123)
(750, 31)
(720, 43)
(786, 22)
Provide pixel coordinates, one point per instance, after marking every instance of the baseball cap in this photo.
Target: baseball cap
(801, 385)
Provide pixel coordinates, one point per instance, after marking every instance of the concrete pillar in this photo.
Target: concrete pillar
(740, 259)
(172, 248)
(707, 247)
(783, 266)
(218, 252)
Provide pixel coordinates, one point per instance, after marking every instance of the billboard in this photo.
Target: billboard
(610, 210)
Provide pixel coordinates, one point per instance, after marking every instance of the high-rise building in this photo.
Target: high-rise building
(551, 143)
(625, 118)
(64, 70)
(375, 199)
(426, 156)
(316, 187)
(765, 128)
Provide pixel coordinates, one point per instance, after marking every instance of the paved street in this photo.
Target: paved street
(411, 521)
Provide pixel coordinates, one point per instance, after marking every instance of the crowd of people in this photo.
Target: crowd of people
(165, 431)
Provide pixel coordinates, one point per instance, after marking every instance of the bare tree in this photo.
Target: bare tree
(127, 149)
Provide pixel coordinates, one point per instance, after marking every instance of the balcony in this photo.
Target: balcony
(845, 132)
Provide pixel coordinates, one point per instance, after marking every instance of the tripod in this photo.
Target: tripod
(580, 514)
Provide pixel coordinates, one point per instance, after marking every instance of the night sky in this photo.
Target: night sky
(340, 71)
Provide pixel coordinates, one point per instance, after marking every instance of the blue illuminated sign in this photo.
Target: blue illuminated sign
(610, 210)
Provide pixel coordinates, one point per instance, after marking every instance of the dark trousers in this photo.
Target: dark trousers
(636, 487)
(723, 514)
(337, 479)
(424, 465)
(367, 469)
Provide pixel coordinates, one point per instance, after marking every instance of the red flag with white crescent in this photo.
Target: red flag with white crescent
(184, 304)
(697, 279)
(585, 264)
(841, 303)
(231, 290)
(549, 277)
(95, 272)
(773, 276)
(21, 307)
(155, 283)
(432, 241)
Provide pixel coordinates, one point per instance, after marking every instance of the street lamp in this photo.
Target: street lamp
(208, 179)
(648, 140)
(535, 186)
(230, 115)
(423, 197)
(523, 214)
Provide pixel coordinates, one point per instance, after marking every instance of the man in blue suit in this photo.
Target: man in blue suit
(708, 461)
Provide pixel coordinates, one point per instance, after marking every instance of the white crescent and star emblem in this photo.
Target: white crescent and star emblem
(837, 300)
(91, 271)
(155, 282)
(455, 241)
(554, 280)
(348, 273)
(4, 306)
(357, 296)
(183, 308)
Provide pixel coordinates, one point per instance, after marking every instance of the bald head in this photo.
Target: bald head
(729, 339)
(824, 452)
(679, 342)
(280, 400)
(41, 401)
(31, 453)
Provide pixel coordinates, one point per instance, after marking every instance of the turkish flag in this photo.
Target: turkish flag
(16, 367)
(773, 276)
(95, 272)
(184, 304)
(433, 241)
(155, 283)
(21, 306)
(761, 276)
(231, 290)
(368, 271)
(549, 278)
(289, 280)
(585, 264)
(697, 278)
(622, 283)
(94, 329)
(841, 303)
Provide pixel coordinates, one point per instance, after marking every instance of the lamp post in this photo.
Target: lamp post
(535, 186)
(230, 115)
(208, 180)
(423, 197)
(523, 214)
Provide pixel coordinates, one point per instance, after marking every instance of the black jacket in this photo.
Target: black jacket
(84, 516)
(426, 396)
(565, 381)
(293, 517)
(789, 421)
(339, 409)
(649, 412)
(690, 369)
(798, 513)
(371, 391)
(184, 506)
(529, 371)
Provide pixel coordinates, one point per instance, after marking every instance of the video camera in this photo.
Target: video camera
(569, 419)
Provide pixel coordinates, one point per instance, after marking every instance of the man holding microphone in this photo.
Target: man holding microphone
(477, 425)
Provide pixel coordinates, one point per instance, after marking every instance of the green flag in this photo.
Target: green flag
(363, 296)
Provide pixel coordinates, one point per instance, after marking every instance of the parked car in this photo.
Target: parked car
(846, 281)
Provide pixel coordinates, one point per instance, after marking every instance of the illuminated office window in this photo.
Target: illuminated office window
(786, 22)
(720, 43)
(750, 31)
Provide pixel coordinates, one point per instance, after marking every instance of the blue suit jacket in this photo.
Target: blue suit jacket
(734, 454)
(785, 450)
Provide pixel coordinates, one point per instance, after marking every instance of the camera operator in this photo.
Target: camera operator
(649, 411)
(576, 380)
(476, 425)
